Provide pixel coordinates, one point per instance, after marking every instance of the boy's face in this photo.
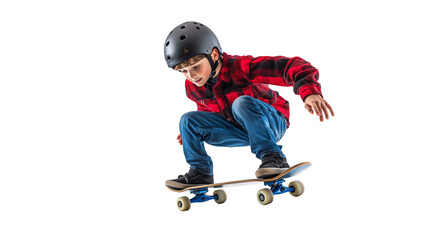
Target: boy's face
(197, 73)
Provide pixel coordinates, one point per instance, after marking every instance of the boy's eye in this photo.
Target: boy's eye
(196, 67)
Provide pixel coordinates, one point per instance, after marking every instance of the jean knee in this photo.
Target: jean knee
(188, 118)
(242, 102)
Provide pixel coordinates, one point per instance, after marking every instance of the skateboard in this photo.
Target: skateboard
(265, 196)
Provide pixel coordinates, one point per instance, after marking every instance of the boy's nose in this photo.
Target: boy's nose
(190, 74)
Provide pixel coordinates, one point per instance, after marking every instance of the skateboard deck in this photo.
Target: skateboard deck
(265, 196)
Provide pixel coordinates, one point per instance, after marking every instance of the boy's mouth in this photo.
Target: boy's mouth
(197, 81)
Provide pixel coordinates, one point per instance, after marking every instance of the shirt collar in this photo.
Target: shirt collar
(212, 81)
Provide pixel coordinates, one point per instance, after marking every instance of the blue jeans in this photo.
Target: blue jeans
(262, 126)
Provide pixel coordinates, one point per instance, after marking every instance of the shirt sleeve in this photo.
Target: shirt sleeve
(283, 71)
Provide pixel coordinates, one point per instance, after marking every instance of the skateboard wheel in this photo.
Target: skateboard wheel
(299, 188)
(221, 196)
(183, 203)
(265, 196)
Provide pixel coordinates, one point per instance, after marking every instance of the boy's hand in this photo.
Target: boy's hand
(180, 139)
(316, 104)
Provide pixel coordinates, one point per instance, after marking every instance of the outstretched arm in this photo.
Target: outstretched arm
(284, 71)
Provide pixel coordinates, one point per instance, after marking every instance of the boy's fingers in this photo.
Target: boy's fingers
(308, 107)
(330, 108)
(321, 117)
(316, 106)
(320, 108)
(325, 111)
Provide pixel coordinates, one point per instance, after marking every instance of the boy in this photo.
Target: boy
(235, 105)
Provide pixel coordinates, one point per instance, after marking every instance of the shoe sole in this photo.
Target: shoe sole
(179, 186)
(269, 172)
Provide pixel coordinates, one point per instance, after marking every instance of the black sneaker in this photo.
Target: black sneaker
(272, 165)
(190, 179)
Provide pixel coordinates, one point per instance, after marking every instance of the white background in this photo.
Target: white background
(89, 116)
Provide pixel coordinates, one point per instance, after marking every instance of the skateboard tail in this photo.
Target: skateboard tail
(295, 171)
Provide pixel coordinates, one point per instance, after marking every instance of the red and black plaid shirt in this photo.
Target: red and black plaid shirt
(247, 75)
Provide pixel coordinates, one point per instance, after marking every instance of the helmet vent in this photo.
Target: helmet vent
(197, 28)
(167, 43)
(183, 27)
(168, 58)
(183, 37)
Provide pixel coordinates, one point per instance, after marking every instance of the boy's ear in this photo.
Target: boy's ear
(215, 54)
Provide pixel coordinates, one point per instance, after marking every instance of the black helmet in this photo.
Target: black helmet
(188, 40)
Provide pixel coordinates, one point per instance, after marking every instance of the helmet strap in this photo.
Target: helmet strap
(213, 64)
